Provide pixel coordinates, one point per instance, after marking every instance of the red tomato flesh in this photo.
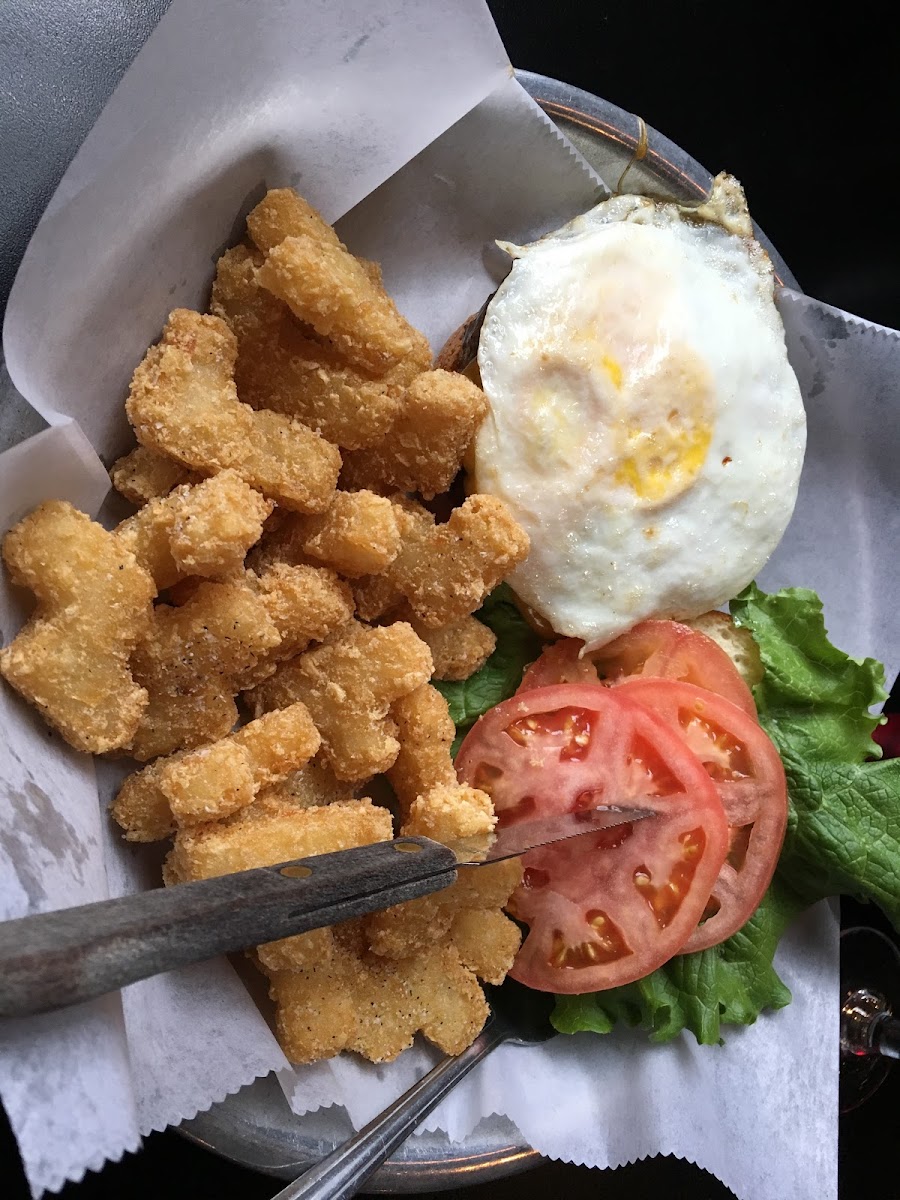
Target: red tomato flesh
(749, 775)
(653, 649)
(608, 908)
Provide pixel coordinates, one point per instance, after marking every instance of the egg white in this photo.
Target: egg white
(645, 425)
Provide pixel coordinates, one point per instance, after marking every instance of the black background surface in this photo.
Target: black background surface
(798, 102)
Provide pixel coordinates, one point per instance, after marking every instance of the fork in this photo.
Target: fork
(518, 1015)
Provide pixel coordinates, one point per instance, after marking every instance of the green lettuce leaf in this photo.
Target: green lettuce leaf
(813, 698)
(517, 646)
(727, 984)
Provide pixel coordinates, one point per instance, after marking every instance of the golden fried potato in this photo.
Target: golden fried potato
(309, 787)
(192, 664)
(203, 529)
(260, 839)
(455, 814)
(94, 604)
(487, 942)
(425, 732)
(445, 571)
(324, 286)
(281, 367)
(376, 1007)
(424, 449)
(458, 649)
(377, 597)
(214, 781)
(143, 475)
(407, 928)
(349, 685)
(284, 213)
(296, 953)
(358, 535)
(183, 403)
(305, 604)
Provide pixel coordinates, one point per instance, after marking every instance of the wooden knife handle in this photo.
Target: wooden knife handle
(56, 959)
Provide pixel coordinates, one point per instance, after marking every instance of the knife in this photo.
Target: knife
(53, 960)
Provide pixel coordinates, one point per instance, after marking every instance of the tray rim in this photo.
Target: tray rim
(446, 1166)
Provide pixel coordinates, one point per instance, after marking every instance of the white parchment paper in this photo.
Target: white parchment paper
(402, 120)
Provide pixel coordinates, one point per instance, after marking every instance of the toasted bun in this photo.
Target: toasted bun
(450, 355)
(737, 643)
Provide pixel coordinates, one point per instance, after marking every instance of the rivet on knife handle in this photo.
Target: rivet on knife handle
(56, 959)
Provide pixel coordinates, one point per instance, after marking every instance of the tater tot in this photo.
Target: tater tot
(425, 732)
(445, 571)
(192, 662)
(376, 1007)
(241, 843)
(458, 649)
(284, 213)
(281, 367)
(214, 781)
(183, 403)
(349, 685)
(487, 941)
(305, 604)
(94, 604)
(424, 450)
(143, 475)
(203, 529)
(323, 285)
(357, 535)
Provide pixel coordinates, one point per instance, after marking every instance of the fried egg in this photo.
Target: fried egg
(645, 425)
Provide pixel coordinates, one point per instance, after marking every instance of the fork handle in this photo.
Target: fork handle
(343, 1172)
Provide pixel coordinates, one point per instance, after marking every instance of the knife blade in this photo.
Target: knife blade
(53, 960)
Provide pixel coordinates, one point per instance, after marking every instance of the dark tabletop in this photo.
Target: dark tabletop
(798, 103)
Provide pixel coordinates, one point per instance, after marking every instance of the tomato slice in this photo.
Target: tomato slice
(656, 649)
(610, 907)
(749, 775)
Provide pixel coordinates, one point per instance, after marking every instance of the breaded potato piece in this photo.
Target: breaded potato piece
(143, 475)
(214, 781)
(282, 367)
(254, 839)
(207, 784)
(487, 942)
(383, 1004)
(459, 649)
(283, 213)
(94, 604)
(309, 787)
(455, 814)
(425, 732)
(305, 604)
(297, 953)
(216, 524)
(141, 807)
(445, 571)
(409, 927)
(377, 597)
(324, 286)
(358, 535)
(203, 529)
(424, 449)
(349, 685)
(183, 403)
(191, 663)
